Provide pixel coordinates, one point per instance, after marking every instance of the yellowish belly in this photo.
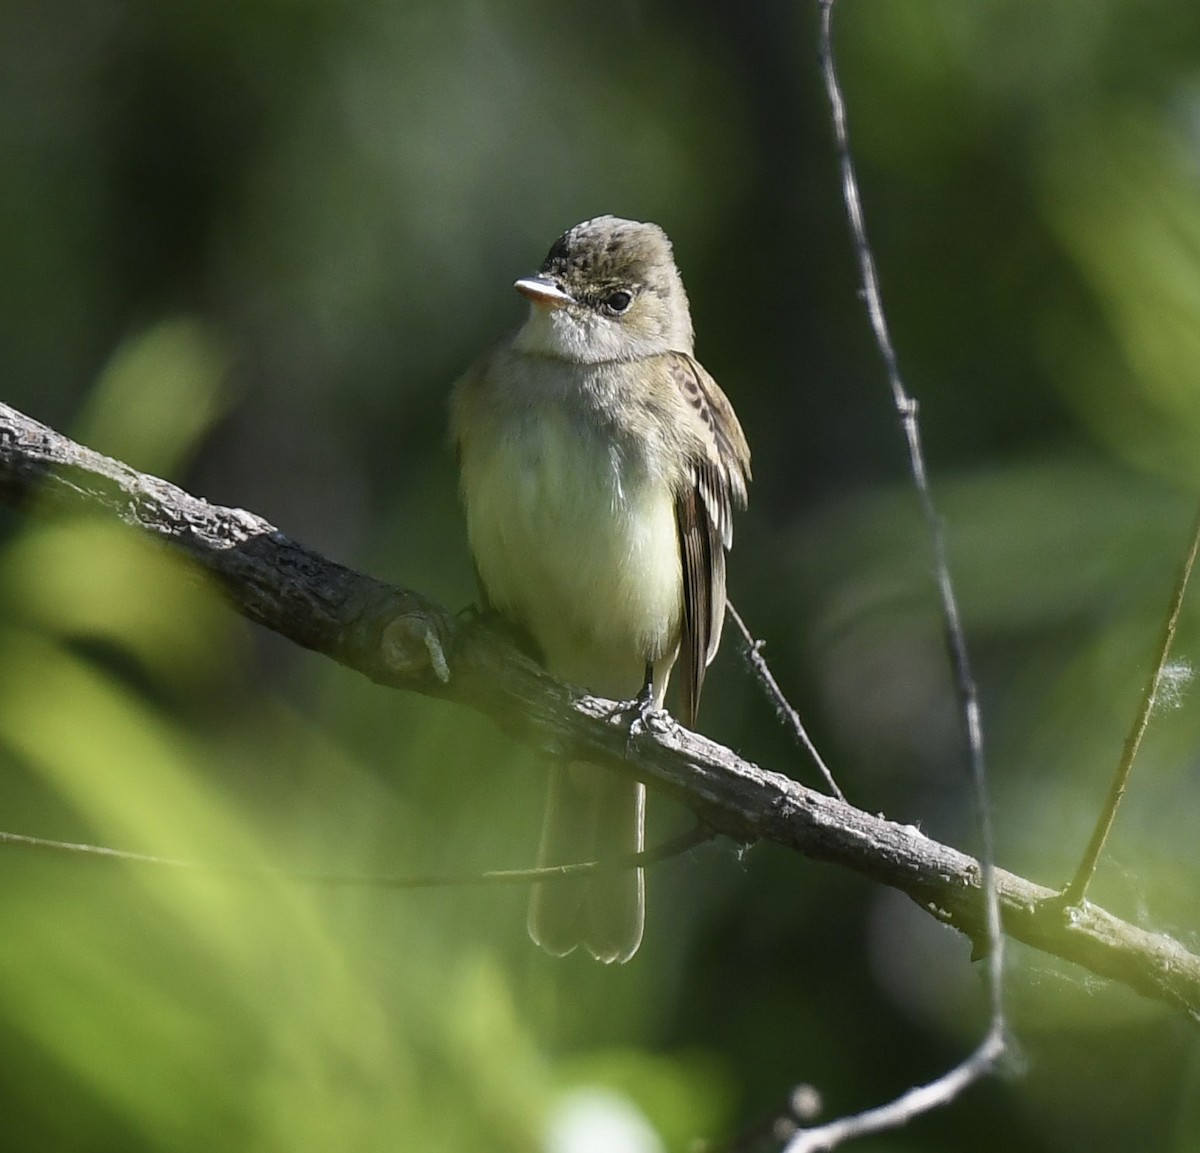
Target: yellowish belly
(581, 548)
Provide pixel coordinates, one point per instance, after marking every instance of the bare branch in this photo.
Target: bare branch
(401, 638)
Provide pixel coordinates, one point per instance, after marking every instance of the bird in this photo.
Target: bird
(600, 467)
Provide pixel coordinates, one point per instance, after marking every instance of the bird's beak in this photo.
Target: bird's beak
(543, 291)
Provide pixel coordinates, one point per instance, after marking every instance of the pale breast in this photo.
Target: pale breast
(575, 538)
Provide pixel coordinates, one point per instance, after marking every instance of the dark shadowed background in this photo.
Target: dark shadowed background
(248, 246)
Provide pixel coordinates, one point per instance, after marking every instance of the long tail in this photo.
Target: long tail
(592, 814)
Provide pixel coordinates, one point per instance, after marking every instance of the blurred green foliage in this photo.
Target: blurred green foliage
(248, 246)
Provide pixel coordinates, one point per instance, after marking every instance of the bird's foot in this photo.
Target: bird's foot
(647, 716)
(644, 715)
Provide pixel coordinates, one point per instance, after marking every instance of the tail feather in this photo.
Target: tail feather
(592, 814)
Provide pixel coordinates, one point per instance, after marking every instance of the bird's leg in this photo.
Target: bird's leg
(644, 701)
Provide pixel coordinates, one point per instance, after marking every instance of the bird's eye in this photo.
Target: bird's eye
(618, 301)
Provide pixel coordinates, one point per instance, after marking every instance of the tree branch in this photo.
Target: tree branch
(400, 638)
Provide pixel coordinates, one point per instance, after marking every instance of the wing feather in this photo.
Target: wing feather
(715, 483)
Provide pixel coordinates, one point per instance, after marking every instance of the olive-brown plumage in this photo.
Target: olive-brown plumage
(600, 467)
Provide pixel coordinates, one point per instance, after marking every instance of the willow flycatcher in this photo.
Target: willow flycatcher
(600, 466)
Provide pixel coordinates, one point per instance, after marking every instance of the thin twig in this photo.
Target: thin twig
(908, 1106)
(906, 406)
(1074, 892)
(943, 1090)
(783, 708)
(676, 846)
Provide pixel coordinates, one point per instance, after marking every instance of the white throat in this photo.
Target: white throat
(580, 336)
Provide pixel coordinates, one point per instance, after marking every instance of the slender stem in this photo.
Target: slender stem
(914, 1103)
(674, 847)
(1075, 891)
(991, 1049)
(906, 407)
(783, 707)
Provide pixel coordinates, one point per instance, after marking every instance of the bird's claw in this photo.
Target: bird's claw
(645, 716)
